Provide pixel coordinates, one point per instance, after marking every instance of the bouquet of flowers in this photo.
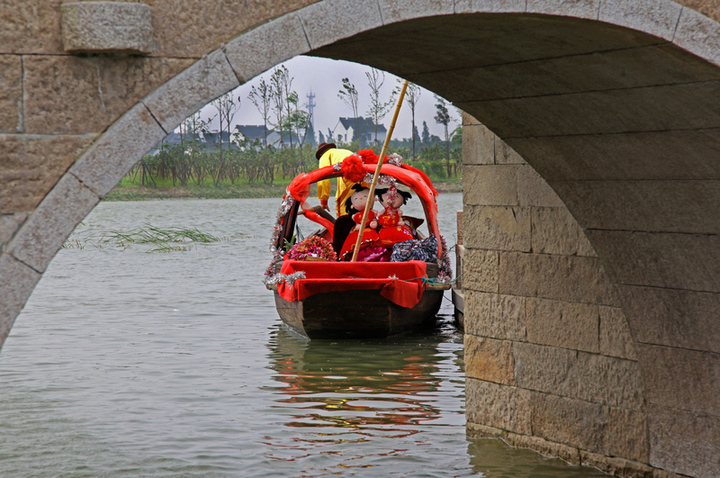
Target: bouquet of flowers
(313, 248)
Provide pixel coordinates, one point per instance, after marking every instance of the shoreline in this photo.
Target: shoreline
(244, 191)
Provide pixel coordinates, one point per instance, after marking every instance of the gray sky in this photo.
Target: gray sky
(324, 77)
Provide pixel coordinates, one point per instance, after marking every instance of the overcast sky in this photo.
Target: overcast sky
(324, 77)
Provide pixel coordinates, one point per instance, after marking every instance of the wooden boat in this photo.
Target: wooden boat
(337, 299)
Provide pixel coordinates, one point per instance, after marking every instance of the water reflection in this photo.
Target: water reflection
(336, 394)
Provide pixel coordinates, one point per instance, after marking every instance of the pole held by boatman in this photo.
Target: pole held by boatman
(329, 154)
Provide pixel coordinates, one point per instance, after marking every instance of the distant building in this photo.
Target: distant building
(211, 139)
(257, 132)
(171, 140)
(344, 131)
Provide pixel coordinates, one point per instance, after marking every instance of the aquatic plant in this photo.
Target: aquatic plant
(164, 239)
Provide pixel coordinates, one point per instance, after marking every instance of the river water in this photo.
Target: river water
(132, 363)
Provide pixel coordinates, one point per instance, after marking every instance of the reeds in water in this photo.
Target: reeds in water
(164, 239)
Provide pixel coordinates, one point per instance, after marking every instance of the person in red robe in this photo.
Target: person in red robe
(347, 228)
(394, 227)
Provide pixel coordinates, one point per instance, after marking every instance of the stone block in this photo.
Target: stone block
(79, 95)
(9, 224)
(681, 379)
(475, 431)
(188, 29)
(30, 166)
(562, 324)
(698, 34)
(490, 6)
(567, 278)
(667, 260)
(656, 17)
(489, 359)
(575, 423)
(30, 26)
(11, 113)
(495, 316)
(578, 375)
(609, 381)
(533, 190)
(545, 447)
(115, 153)
(571, 8)
(684, 442)
(615, 339)
(42, 235)
(468, 120)
(497, 228)
(545, 369)
(554, 231)
(674, 318)
(17, 282)
(394, 11)
(628, 435)
(267, 45)
(647, 205)
(481, 271)
(341, 19)
(498, 406)
(477, 145)
(106, 27)
(616, 466)
(208, 78)
(504, 154)
(490, 185)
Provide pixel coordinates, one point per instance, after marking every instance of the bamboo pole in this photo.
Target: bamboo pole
(371, 194)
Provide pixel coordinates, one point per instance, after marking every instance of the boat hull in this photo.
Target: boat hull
(357, 314)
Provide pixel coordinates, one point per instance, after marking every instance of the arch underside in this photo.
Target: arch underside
(623, 125)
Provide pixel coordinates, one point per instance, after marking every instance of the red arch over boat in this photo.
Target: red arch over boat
(411, 177)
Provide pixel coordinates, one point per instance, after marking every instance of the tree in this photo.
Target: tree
(443, 117)
(321, 137)
(349, 95)
(227, 108)
(260, 96)
(412, 95)
(426, 134)
(378, 109)
(280, 86)
(415, 138)
(456, 148)
(297, 122)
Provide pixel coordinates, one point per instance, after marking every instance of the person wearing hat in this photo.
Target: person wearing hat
(327, 155)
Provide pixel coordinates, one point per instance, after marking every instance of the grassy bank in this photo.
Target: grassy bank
(125, 192)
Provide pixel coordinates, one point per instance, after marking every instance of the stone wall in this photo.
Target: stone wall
(549, 358)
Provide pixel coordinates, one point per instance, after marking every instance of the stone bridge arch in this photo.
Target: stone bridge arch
(612, 103)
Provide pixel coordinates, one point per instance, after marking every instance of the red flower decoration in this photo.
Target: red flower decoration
(368, 156)
(352, 169)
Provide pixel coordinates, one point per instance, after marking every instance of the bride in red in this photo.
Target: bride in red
(356, 204)
(394, 227)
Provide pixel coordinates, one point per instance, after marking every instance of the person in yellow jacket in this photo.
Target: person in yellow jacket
(329, 154)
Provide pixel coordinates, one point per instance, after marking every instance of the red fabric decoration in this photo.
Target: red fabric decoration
(352, 169)
(405, 291)
(299, 188)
